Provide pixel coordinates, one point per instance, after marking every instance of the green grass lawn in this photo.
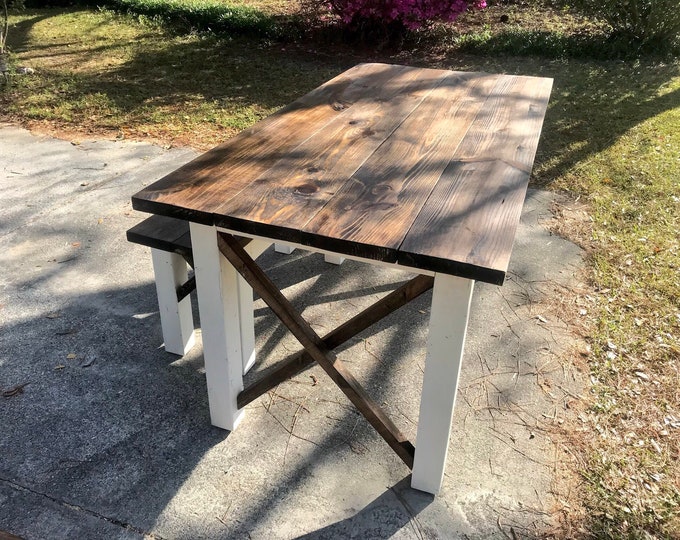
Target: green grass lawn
(611, 139)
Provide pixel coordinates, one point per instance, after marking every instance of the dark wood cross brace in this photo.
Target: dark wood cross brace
(320, 350)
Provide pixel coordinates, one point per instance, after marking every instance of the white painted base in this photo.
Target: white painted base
(284, 248)
(245, 300)
(221, 298)
(451, 299)
(333, 258)
(170, 271)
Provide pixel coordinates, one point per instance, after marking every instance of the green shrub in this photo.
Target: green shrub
(652, 24)
(204, 15)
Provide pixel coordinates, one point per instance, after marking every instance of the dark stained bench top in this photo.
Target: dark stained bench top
(164, 233)
(420, 167)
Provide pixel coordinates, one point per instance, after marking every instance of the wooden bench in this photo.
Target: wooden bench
(171, 254)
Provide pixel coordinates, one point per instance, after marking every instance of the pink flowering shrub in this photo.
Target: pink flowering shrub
(412, 14)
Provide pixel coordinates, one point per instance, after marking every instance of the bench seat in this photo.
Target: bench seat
(171, 252)
(164, 233)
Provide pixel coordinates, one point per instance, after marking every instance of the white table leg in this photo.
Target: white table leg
(451, 298)
(219, 304)
(245, 300)
(170, 271)
(247, 324)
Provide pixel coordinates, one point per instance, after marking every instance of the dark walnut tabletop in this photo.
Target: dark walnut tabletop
(421, 167)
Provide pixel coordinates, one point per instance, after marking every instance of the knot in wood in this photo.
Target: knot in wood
(381, 189)
(306, 189)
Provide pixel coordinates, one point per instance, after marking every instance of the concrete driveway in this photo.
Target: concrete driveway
(105, 435)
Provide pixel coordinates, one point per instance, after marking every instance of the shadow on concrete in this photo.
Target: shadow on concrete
(396, 509)
(110, 436)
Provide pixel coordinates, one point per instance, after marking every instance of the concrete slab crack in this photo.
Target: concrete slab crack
(414, 522)
(71, 506)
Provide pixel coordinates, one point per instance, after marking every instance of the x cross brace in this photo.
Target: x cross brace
(320, 350)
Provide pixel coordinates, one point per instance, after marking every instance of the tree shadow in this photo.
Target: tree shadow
(592, 104)
(18, 34)
(237, 75)
(586, 45)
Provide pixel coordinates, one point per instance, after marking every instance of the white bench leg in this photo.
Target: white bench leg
(451, 298)
(284, 248)
(170, 271)
(220, 301)
(333, 258)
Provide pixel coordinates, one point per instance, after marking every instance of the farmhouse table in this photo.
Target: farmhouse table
(420, 169)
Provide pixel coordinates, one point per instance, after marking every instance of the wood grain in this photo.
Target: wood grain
(195, 190)
(301, 183)
(379, 203)
(425, 168)
(467, 226)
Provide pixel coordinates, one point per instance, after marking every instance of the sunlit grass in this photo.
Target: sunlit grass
(105, 72)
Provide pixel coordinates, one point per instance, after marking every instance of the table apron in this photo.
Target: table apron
(304, 247)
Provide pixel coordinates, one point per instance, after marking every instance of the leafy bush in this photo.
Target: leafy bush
(389, 18)
(205, 15)
(651, 23)
(411, 13)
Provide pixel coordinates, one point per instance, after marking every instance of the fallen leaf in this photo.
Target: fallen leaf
(75, 244)
(70, 356)
(18, 389)
(66, 332)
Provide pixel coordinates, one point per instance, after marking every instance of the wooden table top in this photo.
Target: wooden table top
(421, 167)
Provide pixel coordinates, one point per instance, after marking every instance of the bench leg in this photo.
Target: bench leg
(333, 258)
(284, 248)
(220, 301)
(448, 323)
(177, 322)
